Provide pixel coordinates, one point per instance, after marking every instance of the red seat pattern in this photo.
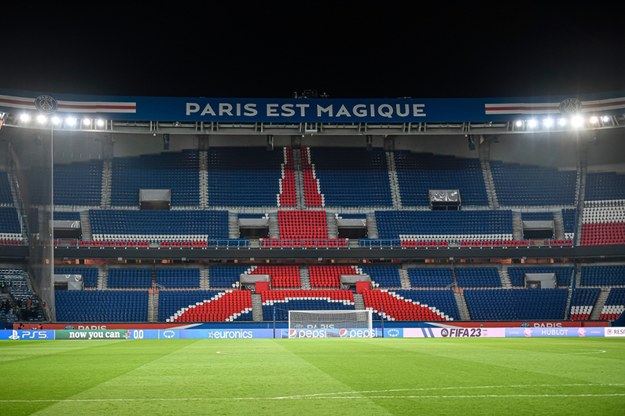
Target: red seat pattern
(598, 234)
(303, 224)
(269, 295)
(281, 276)
(423, 244)
(303, 243)
(312, 194)
(11, 242)
(287, 197)
(221, 309)
(579, 316)
(400, 309)
(328, 276)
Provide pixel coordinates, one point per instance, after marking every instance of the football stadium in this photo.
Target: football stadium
(315, 255)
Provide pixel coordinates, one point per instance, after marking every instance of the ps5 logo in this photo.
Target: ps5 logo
(26, 334)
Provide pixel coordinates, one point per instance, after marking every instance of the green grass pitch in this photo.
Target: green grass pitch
(546, 376)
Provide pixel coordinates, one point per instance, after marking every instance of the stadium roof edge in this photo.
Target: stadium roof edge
(279, 116)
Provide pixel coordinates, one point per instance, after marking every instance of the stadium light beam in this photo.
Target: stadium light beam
(577, 121)
(71, 121)
(548, 122)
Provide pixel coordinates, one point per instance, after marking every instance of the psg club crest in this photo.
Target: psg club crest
(570, 106)
(46, 104)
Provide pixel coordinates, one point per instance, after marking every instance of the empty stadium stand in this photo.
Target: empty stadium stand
(176, 171)
(523, 185)
(243, 177)
(351, 177)
(417, 173)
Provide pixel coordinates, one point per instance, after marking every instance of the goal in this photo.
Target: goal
(335, 320)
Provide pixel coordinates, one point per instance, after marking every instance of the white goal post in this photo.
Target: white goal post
(351, 323)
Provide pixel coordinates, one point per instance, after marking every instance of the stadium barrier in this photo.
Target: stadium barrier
(241, 333)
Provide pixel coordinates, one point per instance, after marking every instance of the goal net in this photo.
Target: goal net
(322, 324)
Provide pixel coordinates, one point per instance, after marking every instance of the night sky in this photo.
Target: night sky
(345, 49)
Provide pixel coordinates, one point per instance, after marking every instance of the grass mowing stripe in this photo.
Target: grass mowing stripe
(64, 374)
(321, 377)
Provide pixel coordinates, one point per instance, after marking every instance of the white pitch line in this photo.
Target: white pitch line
(454, 388)
(588, 352)
(351, 395)
(429, 396)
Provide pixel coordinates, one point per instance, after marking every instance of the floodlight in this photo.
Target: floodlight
(548, 122)
(41, 119)
(24, 117)
(532, 123)
(71, 121)
(577, 121)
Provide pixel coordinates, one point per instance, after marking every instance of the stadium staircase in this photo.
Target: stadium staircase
(312, 194)
(596, 311)
(578, 276)
(558, 225)
(517, 226)
(204, 279)
(85, 225)
(203, 179)
(299, 179)
(15, 197)
(393, 181)
(233, 225)
(287, 196)
(491, 193)
(102, 277)
(333, 228)
(372, 228)
(567, 308)
(359, 303)
(455, 277)
(305, 277)
(274, 228)
(582, 171)
(153, 306)
(463, 309)
(107, 181)
(17, 203)
(505, 279)
(403, 277)
(257, 308)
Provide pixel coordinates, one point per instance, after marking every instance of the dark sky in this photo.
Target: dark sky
(344, 48)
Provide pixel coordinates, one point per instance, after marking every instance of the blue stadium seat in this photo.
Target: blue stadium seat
(417, 173)
(177, 171)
